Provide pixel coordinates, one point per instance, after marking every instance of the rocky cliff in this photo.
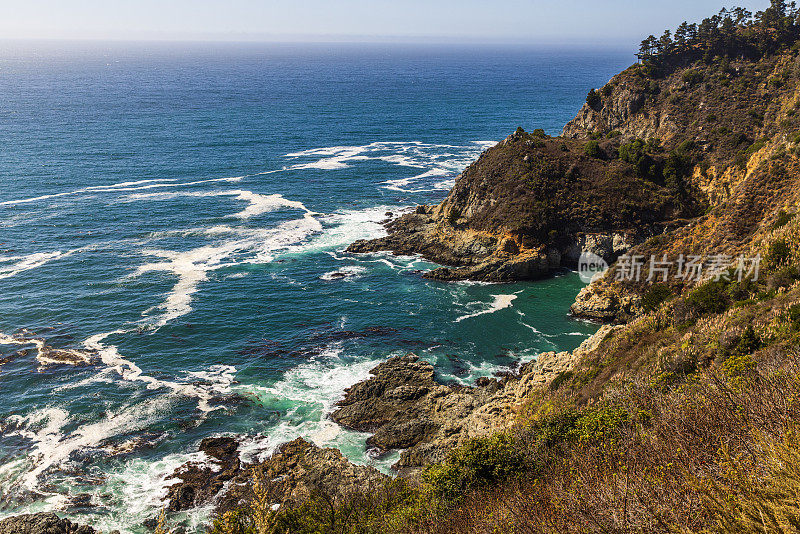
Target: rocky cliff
(739, 121)
(530, 205)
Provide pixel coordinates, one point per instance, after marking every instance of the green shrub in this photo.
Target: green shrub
(778, 253)
(739, 365)
(748, 343)
(538, 132)
(593, 99)
(591, 425)
(756, 116)
(654, 296)
(794, 316)
(597, 425)
(783, 277)
(782, 219)
(692, 77)
(711, 297)
(632, 152)
(480, 462)
(560, 379)
(592, 149)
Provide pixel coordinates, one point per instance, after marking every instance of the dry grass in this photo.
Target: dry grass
(706, 455)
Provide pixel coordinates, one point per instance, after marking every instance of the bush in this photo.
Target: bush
(794, 316)
(479, 463)
(748, 343)
(692, 77)
(592, 149)
(654, 296)
(538, 132)
(778, 253)
(560, 380)
(783, 277)
(593, 99)
(711, 297)
(782, 219)
(589, 426)
(741, 502)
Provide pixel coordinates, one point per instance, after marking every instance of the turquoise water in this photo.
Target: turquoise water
(175, 214)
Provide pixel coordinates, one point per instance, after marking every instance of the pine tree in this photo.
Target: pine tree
(665, 43)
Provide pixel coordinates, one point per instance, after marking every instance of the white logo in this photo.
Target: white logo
(591, 267)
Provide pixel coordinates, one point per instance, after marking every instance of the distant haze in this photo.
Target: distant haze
(580, 22)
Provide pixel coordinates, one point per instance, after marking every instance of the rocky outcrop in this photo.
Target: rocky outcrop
(297, 470)
(42, 523)
(529, 207)
(288, 477)
(621, 109)
(200, 482)
(406, 408)
(467, 254)
(606, 303)
(609, 245)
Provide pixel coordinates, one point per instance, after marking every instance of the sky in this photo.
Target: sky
(621, 22)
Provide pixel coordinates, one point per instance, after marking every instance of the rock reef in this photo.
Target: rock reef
(405, 408)
(295, 471)
(42, 523)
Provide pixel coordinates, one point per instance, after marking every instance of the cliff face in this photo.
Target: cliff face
(740, 119)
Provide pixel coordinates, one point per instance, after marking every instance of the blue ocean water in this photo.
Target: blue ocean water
(175, 215)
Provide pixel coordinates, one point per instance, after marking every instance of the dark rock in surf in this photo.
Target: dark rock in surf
(200, 482)
(42, 523)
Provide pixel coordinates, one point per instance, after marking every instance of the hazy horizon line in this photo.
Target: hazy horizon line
(323, 39)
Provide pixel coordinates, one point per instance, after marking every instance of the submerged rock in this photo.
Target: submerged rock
(42, 523)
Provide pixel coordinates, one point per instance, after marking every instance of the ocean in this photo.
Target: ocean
(172, 225)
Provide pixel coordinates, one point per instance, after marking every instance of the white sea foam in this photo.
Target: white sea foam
(307, 393)
(258, 203)
(416, 155)
(249, 246)
(500, 302)
(137, 490)
(122, 187)
(13, 265)
(52, 446)
(219, 378)
(99, 188)
(347, 226)
(348, 272)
